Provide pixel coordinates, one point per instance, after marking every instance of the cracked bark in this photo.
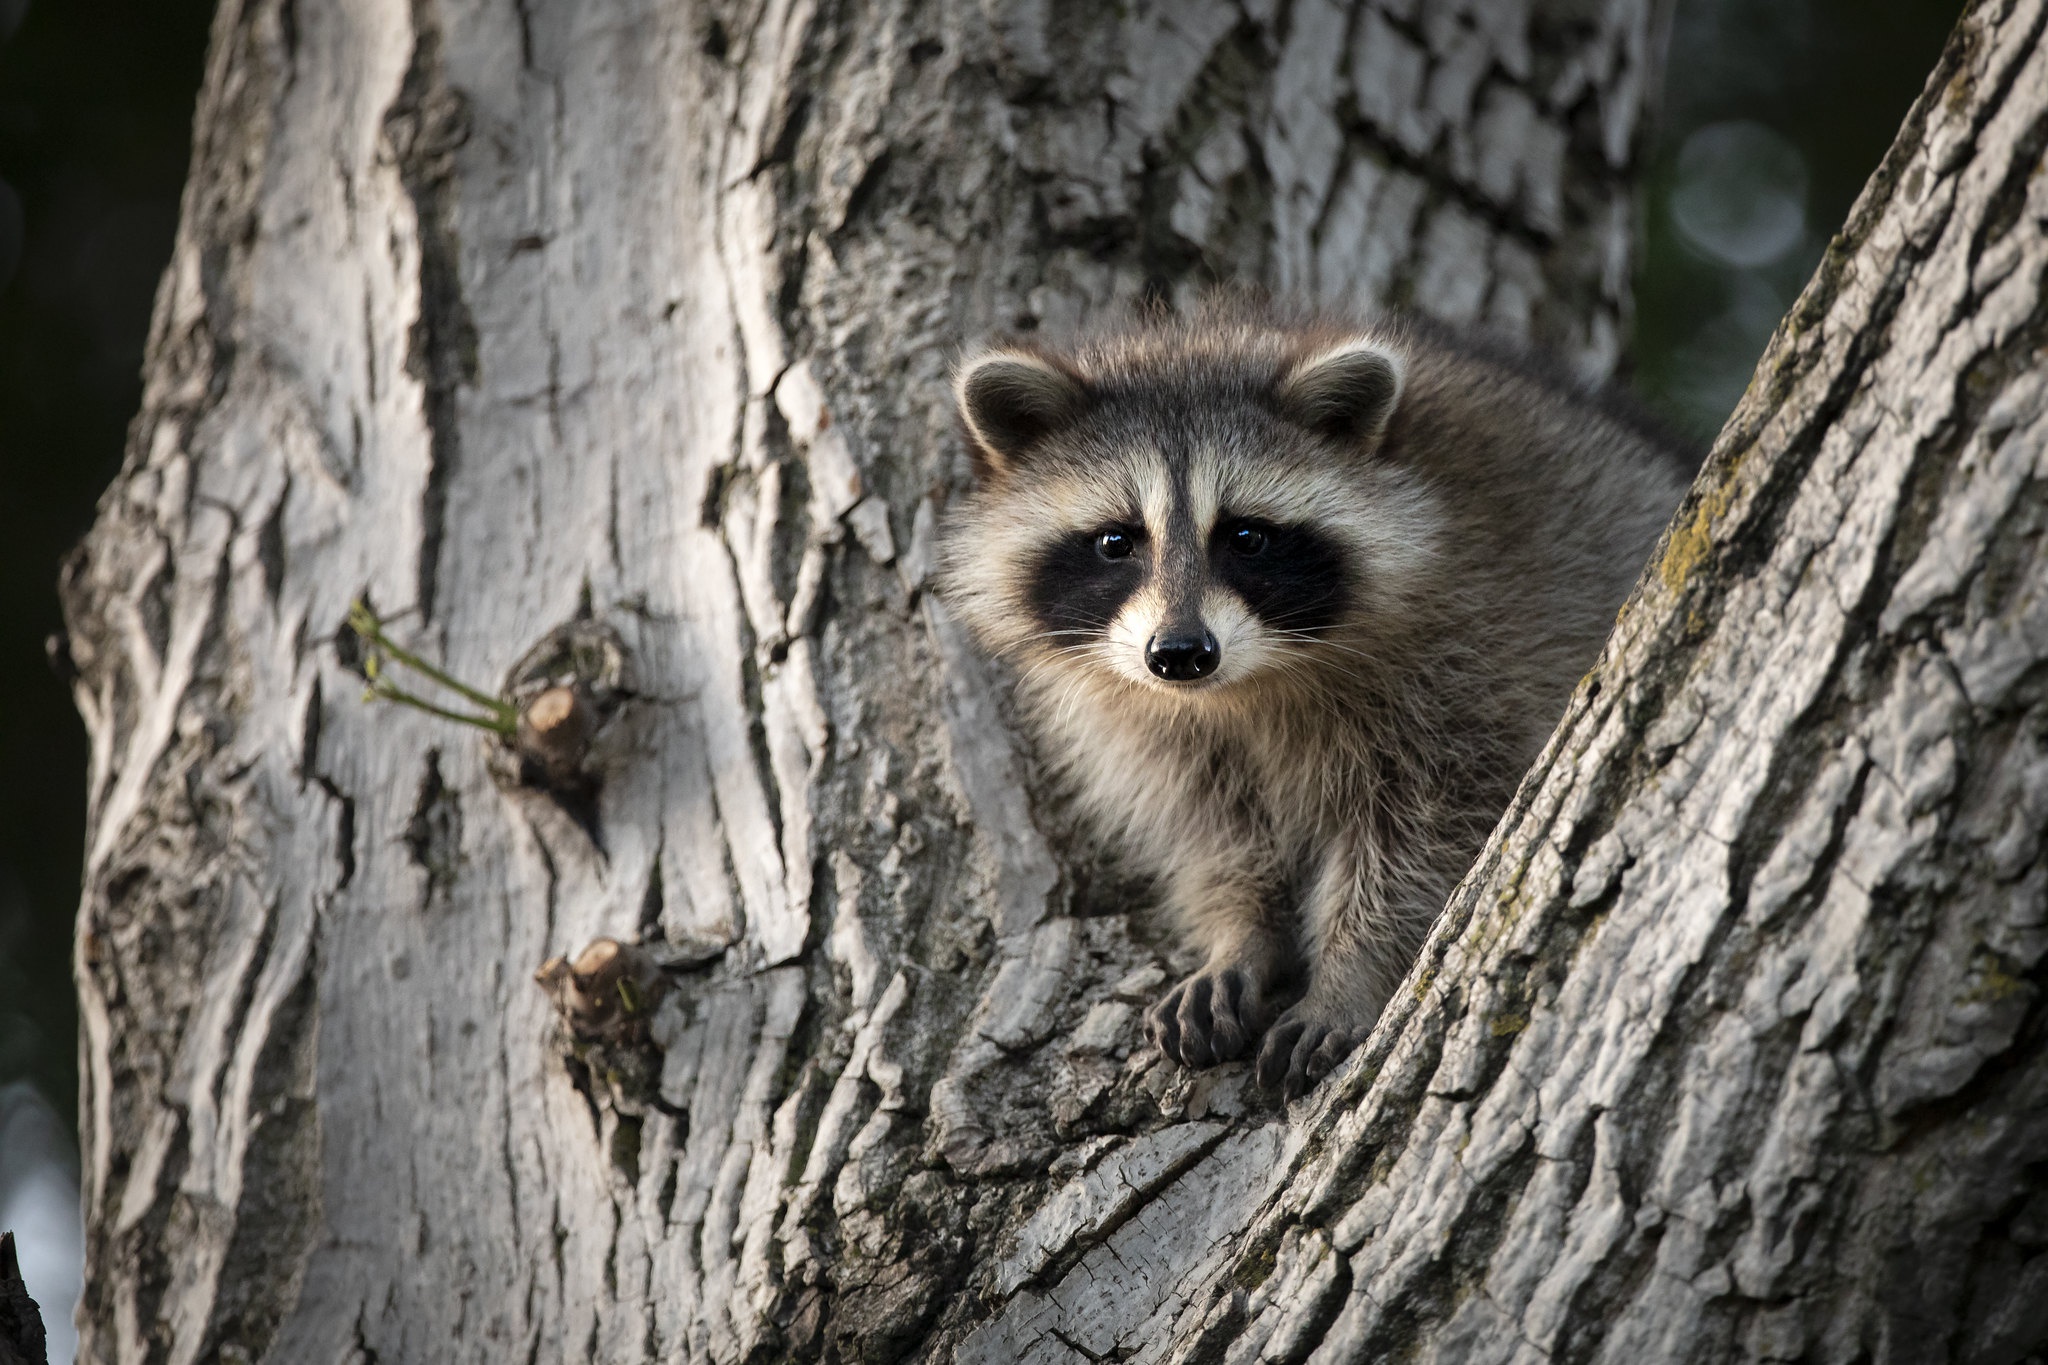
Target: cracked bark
(495, 311)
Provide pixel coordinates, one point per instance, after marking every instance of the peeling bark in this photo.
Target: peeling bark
(515, 316)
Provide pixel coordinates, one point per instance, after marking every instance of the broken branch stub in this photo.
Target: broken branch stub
(606, 992)
(566, 688)
(555, 729)
(606, 999)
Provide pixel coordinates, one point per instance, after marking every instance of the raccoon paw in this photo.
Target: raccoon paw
(1302, 1048)
(1213, 1016)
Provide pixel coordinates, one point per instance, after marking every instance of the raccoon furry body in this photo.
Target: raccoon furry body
(1293, 605)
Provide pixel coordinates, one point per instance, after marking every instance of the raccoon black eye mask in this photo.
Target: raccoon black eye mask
(1292, 578)
(1293, 604)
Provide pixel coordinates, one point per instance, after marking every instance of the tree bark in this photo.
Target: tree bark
(21, 1323)
(627, 325)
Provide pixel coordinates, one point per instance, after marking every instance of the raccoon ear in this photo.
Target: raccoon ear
(1348, 391)
(1010, 400)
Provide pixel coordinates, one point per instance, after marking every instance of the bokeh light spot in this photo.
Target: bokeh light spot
(1740, 198)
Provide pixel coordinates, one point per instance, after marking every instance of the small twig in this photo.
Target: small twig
(388, 692)
(501, 717)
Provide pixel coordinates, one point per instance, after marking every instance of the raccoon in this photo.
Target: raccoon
(1293, 603)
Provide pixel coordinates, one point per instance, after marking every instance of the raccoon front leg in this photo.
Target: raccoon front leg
(1227, 906)
(1367, 916)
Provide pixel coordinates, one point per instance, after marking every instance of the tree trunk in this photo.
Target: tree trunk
(626, 326)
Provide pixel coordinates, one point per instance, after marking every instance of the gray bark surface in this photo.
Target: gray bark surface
(508, 314)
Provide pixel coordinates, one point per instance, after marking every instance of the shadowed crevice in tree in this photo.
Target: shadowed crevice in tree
(425, 126)
(309, 769)
(433, 833)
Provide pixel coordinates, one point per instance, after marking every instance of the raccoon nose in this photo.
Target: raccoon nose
(1182, 658)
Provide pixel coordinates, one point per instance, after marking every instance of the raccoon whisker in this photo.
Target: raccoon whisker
(1077, 648)
(1070, 700)
(1060, 654)
(1296, 637)
(1039, 669)
(1063, 702)
(1317, 682)
(1060, 696)
(1306, 635)
(1033, 667)
(1072, 630)
(1317, 687)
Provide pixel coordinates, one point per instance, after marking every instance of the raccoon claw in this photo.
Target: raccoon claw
(1300, 1051)
(1213, 1016)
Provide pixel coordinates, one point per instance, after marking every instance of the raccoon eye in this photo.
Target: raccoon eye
(1246, 541)
(1114, 544)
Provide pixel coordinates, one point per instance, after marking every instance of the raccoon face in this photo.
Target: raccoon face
(1166, 520)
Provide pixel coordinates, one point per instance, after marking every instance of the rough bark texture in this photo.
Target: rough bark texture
(21, 1323)
(511, 313)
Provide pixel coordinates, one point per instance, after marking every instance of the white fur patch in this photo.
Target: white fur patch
(1246, 647)
(1128, 635)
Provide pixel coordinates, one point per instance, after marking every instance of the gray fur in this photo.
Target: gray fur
(1309, 808)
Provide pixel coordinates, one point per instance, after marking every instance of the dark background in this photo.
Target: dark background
(95, 112)
(1831, 79)
(95, 119)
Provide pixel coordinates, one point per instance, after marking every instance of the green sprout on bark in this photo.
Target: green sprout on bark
(381, 653)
